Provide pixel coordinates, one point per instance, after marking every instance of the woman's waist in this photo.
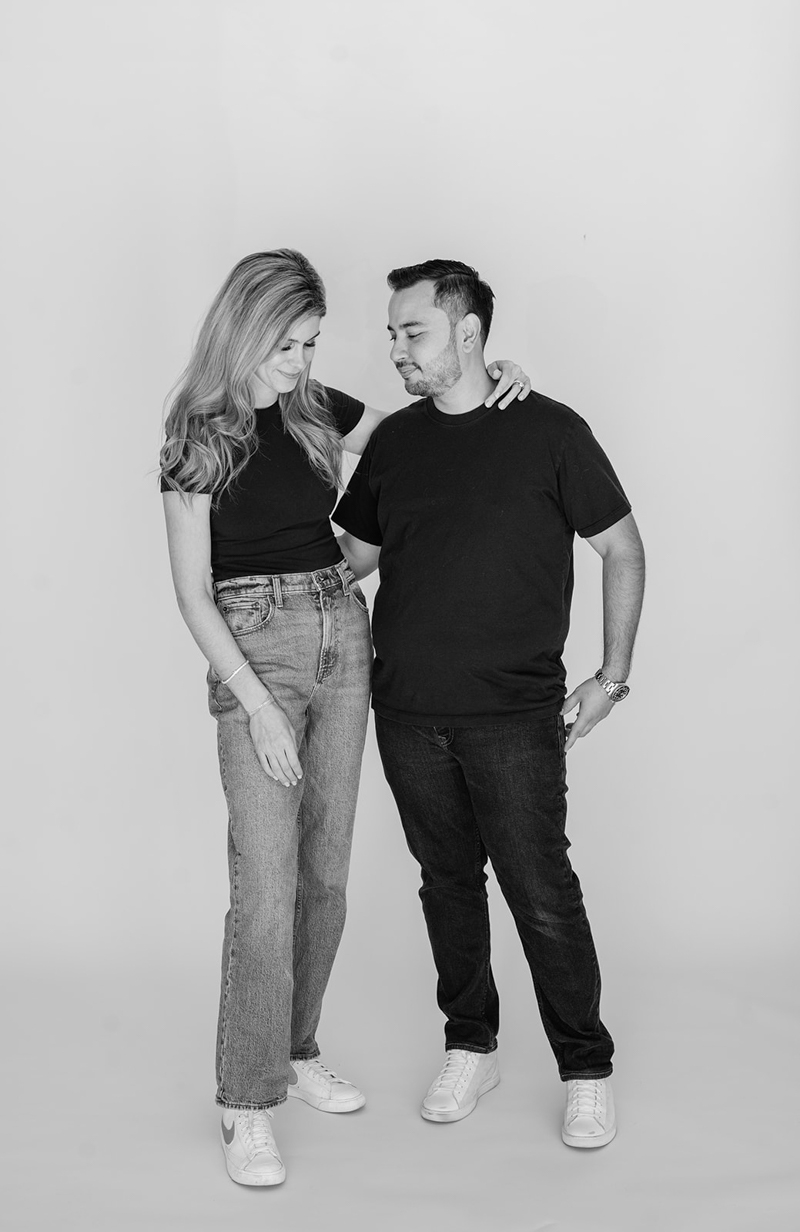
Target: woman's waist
(330, 578)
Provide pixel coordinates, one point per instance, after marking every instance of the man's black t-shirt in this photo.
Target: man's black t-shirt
(475, 515)
(276, 516)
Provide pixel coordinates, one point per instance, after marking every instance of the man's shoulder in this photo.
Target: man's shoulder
(400, 421)
(545, 414)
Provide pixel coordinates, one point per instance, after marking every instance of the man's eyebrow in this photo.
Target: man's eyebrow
(405, 324)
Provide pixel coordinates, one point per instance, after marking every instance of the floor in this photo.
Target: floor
(124, 1135)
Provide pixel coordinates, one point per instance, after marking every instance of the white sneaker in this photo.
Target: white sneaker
(251, 1156)
(463, 1079)
(589, 1115)
(320, 1087)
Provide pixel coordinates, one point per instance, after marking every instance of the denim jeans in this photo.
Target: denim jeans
(307, 637)
(466, 794)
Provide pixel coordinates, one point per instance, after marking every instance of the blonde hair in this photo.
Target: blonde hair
(210, 424)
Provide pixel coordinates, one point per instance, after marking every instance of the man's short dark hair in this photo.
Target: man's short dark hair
(457, 289)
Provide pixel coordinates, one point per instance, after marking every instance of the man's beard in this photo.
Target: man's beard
(441, 374)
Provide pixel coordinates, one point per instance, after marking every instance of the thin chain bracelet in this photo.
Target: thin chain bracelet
(250, 713)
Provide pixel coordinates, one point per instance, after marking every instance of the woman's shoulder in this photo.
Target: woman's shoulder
(345, 409)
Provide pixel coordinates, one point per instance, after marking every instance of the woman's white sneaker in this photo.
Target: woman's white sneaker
(251, 1155)
(320, 1087)
(589, 1118)
(462, 1080)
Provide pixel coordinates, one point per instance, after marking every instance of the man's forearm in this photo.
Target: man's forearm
(362, 557)
(623, 590)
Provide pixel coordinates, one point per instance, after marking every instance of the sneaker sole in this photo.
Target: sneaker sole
(248, 1178)
(328, 1105)
(241, 1177)
(599, 1140)
(458, 1114)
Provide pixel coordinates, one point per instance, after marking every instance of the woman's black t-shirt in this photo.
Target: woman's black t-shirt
(276, 516)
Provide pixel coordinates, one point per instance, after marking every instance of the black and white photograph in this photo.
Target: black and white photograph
(400, 626)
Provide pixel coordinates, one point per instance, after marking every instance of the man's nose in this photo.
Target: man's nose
(397, 352)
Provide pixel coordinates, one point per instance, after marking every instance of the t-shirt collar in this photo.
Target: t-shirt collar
(452, 421)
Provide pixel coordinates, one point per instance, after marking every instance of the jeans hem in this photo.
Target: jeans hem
(572, 1074)
(470, 1048)
(253, 1107)
(304, 1056)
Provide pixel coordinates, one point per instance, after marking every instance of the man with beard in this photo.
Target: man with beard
(472, 512)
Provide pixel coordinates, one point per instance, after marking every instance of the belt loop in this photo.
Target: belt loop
(341, 569)
(276, 590)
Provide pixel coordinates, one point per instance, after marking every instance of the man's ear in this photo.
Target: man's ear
(470, 328)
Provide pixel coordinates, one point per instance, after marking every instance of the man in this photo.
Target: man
(471, 512)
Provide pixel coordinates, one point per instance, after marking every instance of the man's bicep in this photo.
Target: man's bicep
(357, 510)
(622, 537)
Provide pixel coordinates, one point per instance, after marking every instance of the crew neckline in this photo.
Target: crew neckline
(454, 421)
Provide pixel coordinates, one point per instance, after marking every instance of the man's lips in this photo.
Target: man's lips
(406, 372)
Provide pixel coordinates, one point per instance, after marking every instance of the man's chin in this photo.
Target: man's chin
(418, 388)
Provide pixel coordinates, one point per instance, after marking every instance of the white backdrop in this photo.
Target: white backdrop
(624, 174)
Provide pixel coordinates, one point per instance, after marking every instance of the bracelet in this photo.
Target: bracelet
(240, 668)
(266, 702)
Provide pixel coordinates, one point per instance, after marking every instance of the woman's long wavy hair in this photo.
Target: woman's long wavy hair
(210, 424)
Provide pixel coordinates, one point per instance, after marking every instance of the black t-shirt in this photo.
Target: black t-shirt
(475, 515)
(276, 516)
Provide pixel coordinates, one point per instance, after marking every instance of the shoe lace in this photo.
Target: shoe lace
(456, 1067)
(318, 1068)
(259, 1129)
(586, 1097)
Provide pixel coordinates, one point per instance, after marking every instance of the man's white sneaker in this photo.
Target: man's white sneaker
(320, 1087)
(463, 1079)
(251, 1155)
(589, 1115)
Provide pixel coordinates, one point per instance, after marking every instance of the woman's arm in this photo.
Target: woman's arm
(189, 538)
(504, 371)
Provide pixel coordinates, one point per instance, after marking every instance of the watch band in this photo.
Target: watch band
(616, 690)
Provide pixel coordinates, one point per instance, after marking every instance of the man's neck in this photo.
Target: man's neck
(468, 393)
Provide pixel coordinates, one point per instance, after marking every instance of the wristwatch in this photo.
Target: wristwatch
(617, 692)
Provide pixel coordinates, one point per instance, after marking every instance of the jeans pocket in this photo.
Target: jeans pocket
(246, 613)
(358, 595)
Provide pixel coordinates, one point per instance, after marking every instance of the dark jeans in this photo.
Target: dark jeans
(466, 794)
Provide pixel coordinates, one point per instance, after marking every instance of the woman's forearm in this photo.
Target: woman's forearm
(219, 647)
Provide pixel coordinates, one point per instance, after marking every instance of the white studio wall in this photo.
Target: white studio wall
(624, 173)
(625, 177)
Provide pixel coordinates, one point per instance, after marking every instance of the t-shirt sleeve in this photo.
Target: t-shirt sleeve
(346, 411)
(357, 511)
(592, 496)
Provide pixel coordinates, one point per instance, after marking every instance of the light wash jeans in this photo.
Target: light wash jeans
(307, 637)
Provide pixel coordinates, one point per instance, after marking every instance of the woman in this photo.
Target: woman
(250, 471)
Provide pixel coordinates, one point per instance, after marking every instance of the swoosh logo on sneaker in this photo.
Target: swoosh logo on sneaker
(228, 1134)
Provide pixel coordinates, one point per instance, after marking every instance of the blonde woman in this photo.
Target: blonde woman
(250, 471)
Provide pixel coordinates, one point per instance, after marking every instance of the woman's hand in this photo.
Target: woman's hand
(509, 376)
(275, 743)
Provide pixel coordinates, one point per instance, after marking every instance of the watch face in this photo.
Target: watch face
(621, 692)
